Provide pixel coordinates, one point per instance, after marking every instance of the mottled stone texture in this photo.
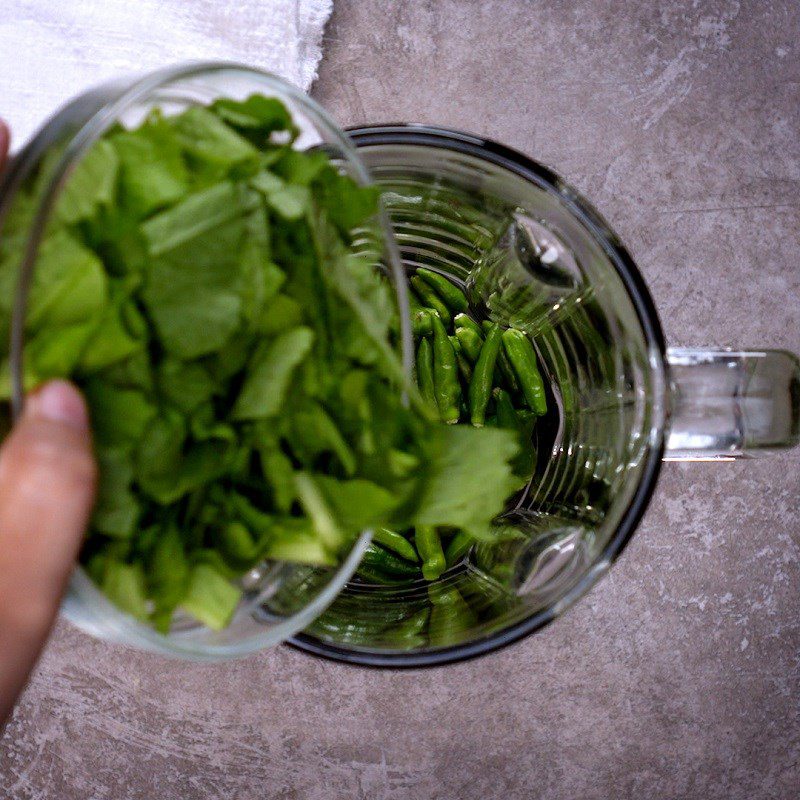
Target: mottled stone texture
(679, 676)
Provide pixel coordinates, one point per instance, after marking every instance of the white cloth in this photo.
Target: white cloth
(51, 50)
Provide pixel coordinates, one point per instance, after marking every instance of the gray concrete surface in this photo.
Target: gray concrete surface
(679, 676)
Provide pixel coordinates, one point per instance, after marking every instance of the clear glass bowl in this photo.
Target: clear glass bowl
(297, 594)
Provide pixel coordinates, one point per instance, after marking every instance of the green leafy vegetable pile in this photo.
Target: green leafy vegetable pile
(197, 280)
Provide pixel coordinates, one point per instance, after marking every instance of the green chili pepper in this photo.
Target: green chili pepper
(480, 387)
(414, 302)
(430, 299)
(451, 295)
(421, 322)
(414, 624)
(408, 633)
(522, 422)
(337, 623)
(471, 343)
(425, 372)
(506, 373)
(551, 344)
(506, 415)
(522, 356)
(381, 560)
(457, 548)
(463, 363)
(372, 575)
(487, 597)
(445, 374)
(395, 541)
(465, 321)
(524, 463)
(451, 616)
(464, 368)
(420, 316)
(429, 547)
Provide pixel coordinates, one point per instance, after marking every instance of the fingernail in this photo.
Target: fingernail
(58, 401)
(5, 138)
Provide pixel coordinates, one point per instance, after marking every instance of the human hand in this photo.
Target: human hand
(47, 484)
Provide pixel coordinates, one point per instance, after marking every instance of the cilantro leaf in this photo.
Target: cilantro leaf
(119, 416)
(348, 204)
(282, 313)
(269, 373)
(93, 183)
(158, 455)
(108, 343)
(124, 584)
(358, 503)
(193, 292)
(300, 168)
(290, 202)
(187, 385)
(153, 172)
(210, 597)
(117, 508)
(313, 432)
(206, 138)
(69, 284)
(167, 575)
(297, 541)
(256, 113)
(468, 476)
(53, 352)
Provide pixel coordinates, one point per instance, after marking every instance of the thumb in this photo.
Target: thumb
(47, 484)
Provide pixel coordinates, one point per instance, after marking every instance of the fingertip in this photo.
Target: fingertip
(5, 140)
(58, 401)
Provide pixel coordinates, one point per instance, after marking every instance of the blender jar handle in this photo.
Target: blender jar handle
(729, 404)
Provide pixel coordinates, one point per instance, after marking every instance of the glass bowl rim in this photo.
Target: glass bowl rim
(104, 104)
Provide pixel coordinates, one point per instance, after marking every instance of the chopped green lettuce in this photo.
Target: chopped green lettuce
(240, 361)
